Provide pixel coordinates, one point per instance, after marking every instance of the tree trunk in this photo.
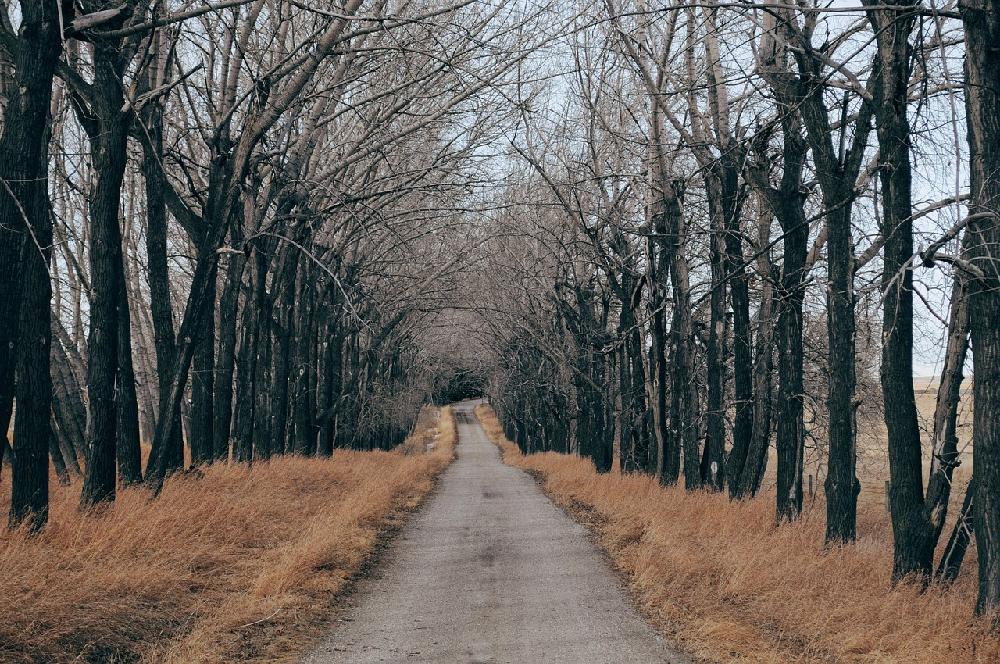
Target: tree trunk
(788, 205)
(23, 208)
(126, 401)
(913, 552)
(33, 436)
(228, 315)
(739, 286)
(745, 478)
(249, 355)
(158, 276)
(954, 552)
(107, 130)
(203, 375)
(304, 432)
(982, 94)
(713, 472)
(944, 445)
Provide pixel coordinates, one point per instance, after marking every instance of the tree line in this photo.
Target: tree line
(221, 226)
(726, 223)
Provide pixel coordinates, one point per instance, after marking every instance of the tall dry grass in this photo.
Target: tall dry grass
(236, 564)
(724, 582)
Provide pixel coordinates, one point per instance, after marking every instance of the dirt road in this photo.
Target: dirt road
(491, 571)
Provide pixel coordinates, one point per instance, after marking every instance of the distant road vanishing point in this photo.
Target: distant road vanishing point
(491, 571)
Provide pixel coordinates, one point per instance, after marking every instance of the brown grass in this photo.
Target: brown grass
(726, 584)
(237, 564)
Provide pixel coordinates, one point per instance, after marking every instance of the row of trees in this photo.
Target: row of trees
(221, 226)
(708, 219)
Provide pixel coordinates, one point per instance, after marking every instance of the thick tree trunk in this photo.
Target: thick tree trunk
(982, 94)
(788, 203)
(841, 481)
(657, 276)
(634, 431)
(67, 398)
(739, 286)
(836, 172)
(108, 133)
(281, 366)
(33, 435)
(913, 552)
(327, 419)
(684, 389)
(23, 208)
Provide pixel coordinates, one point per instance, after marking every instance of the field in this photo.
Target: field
(231, 563)
(724, 582)
(873, 461)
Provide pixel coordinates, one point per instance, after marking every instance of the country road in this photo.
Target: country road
(491, 571)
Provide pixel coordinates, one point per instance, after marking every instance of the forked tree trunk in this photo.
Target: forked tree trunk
(837, 171)
(958, 544)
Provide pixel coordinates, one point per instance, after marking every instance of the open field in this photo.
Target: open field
(231, 563)
(727, 585)
(873, 460)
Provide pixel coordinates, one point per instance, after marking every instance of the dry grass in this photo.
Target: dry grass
(724, 582)
(238, 564)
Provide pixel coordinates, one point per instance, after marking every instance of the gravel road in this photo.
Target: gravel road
(490, 570)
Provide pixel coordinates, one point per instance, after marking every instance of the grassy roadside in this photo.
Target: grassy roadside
(239, 564)
(719, 579)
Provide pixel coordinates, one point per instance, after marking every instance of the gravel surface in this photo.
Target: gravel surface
(490, 570)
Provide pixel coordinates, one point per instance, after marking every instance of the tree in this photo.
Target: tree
(982, 90)
(25, 246)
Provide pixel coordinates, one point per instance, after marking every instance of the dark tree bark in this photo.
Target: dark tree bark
(126, 401)
(282, 349)
(33, 435)
(303, 415)
(107, 129)
(634, 452)
(787, 202)
(203, 374)
(944, 444)
(913, 551)
(24, 212)
(251, 346)
(954, 551)
(669, 222)
(657, 279)
(836, 171)
(982, 92)
(745, 478)
(713, 472)
(156, 254)
(68, 408)
(226, 366)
